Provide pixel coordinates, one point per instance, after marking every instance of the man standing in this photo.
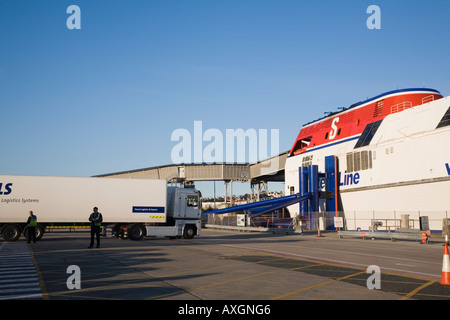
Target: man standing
(31, 227)
(96, 220)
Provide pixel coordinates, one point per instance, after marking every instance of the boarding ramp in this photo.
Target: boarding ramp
(308, 196)
(261, 207)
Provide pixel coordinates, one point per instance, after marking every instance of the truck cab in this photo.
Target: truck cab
(183, 218)
(183, 203)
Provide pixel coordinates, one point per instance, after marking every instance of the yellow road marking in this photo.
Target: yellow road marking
(412, 293)
(236, 279)
(38, 272)
(315, 286)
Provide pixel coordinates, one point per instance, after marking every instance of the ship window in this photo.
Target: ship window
(364, 160)
(350, 162)
(357, 161)
(368, 133)
(445, 121)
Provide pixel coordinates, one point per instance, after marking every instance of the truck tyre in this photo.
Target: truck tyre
(39, 232)
(11, 232)
(136, 232)
(189, 232)
(117, 231)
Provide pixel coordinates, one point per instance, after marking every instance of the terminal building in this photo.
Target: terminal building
(258, 174)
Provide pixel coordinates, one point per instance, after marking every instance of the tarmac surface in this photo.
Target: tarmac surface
(222, 265)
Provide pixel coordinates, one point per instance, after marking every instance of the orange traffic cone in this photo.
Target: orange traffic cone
(445, 278)
(318, 232)
(424, 237)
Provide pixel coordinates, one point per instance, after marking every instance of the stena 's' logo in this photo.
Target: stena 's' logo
(5, 188)
(334, 128)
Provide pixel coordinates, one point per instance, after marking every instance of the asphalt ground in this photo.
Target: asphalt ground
(230, 266)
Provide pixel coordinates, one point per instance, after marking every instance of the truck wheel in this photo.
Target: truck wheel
(189, 232)
(11, 232)
(118, 231)
(136, 232)
(39, 232)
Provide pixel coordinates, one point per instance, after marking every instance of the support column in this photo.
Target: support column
(314, 187)
(226, 192)
(231, 192)
(303, 189)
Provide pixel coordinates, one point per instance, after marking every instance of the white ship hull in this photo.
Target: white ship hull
(404, 170)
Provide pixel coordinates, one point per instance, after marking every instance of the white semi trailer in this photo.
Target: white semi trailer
(133, 208)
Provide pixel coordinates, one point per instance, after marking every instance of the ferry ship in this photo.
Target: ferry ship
(393, 158)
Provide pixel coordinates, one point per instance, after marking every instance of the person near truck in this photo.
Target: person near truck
(96, 220)
(31, 227)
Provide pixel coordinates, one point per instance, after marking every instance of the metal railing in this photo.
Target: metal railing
(401, 106)
(416, 236)
(428, 99)
(353, 220)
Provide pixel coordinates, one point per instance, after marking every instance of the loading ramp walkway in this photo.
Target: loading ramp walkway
(265, 206)
(308, 196)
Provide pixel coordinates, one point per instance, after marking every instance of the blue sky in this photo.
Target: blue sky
(107, 97)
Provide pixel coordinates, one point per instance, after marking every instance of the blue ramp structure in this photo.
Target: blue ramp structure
(308, 197)
(331, 183)
(265, 206)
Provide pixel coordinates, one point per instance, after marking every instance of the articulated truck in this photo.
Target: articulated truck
(133, 208)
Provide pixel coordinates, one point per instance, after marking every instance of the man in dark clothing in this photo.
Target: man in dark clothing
(31, 227)
(96, 220)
